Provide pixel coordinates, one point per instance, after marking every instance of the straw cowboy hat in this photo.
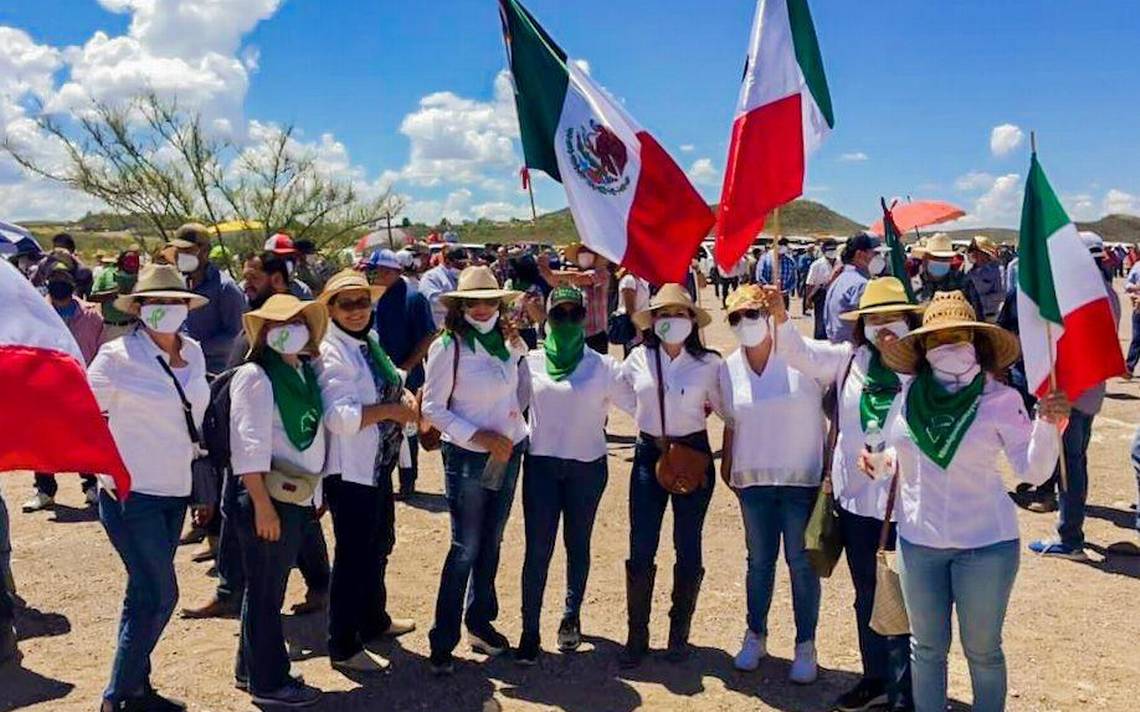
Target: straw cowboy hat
(949, 310)
(346, 280)
(281, 308)
(671, 295)
(939, 245)
(750, 296)
(884, 295)
(984, 244)
(158, 281)
(478, 282)
(571, 251)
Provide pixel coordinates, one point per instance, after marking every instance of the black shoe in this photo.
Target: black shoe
(488, 641)
(8, 649)
(527, 652)
(868, 694)
(639, 600)
(442, 663)
(154, 702)
(569, 635)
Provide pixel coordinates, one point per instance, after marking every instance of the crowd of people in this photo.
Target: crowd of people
(258, 405)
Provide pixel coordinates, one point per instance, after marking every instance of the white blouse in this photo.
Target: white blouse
(826, 362)
(690, 384)
(568, 417)
(490, 393)
(144, 412)
(777, 423)
(966, 506)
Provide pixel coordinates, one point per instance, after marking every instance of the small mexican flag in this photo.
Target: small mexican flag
(631, 203)
(1059, 284)
(782, 115)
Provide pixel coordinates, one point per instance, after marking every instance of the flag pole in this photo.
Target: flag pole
(774, 251)
(529, 185)
(1052, 362)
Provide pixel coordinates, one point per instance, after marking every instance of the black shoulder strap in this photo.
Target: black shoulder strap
(187, 409)
(833, 429)
(660, 390)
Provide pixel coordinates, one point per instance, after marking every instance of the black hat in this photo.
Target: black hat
(863, 241)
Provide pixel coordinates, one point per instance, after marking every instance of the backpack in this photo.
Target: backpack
(216, 423)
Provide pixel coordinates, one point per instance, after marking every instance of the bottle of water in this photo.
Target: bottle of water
(876, 446)
(411, 429)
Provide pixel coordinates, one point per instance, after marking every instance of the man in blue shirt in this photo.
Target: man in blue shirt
(788, 276)
(218, 323)
(405, 328)
(862, 260)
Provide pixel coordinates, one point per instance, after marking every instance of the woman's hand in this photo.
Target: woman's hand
(499, 446)
(775, 299)
(1054, 408)
(266, 522)
(402, 413)
(511, 333)
(865, 463)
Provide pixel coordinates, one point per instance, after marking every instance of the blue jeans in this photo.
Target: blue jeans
(555, 489)
(478, 518)
(647, 502)
(144, 531)
(1134, 345)
(7, 605)
(1071, 501)
(1136, 469)
(771, 513)
(976, 582)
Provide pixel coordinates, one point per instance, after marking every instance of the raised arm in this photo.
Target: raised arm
(822, 360)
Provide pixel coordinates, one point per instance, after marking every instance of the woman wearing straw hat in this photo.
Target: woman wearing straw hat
(136, 379)
(472, 394)
(572, 388)
(277, 443)
(674, 367)
(958, 537)
(366, 407)
(866, 389)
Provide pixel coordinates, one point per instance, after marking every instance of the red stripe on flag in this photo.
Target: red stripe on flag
(50, 421)
(765, 170)
(1088, 352)
(667, 221)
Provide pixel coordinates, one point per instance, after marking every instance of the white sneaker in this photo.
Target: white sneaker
(804, 668)
(752, 651)
(40, 502)
(92, 496)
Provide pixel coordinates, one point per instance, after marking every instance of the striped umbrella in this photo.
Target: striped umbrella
(16, 239)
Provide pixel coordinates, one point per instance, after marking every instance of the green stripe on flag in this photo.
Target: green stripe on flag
(809, 57)
(538, 65)
(898, 252)
(1041, 216)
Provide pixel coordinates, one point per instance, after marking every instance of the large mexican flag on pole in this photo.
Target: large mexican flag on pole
(1062, 302)
(631, 203)
(782, 115)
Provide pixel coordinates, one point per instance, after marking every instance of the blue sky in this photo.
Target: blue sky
(918, 88)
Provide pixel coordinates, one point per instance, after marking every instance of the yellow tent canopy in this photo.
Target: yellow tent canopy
(240, 226)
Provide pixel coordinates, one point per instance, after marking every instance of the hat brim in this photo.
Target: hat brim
(902, 355)
(375, 290)
(505, 295)
(745, 306)
(945, 254)
(316, 318)
(128, 303)
(643, 319)
(182, 244)
(883, 309)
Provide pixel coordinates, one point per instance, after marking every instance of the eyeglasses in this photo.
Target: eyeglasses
(735, 317)
(358, 304)
(564, 315)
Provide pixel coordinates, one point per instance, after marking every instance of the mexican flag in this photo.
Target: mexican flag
(1059, 285)
(782, 115)
(631, 203)
(898, 252)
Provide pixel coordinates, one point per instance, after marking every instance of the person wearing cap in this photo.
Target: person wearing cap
(730, 279)
(941, 272)
(788, 278)
(132, 378)
(276, 425)
(85, 323)
(819, 276)
(475, 393)
(572, 389)
(84, 277)
(282, 246)
(957, 528)
(405, 328)
(986, 275)
(365, 409)
(863, 259)
(112, 282)
(441, 279)
(312, 268)
(866, 391)
(217, 325)
(417, 264)
(673, 359)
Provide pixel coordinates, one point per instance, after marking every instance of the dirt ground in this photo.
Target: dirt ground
(1070, 636)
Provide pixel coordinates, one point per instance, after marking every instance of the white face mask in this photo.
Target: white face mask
(483, 327)
(673, 329)
(751, 332)
(829, 254)
(875, 267)
(585, 260)
(898, 328)
(187, 264)
(952, 361)
(287, 339)
(163, 318)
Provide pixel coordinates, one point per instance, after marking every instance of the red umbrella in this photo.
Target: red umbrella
(920, 213)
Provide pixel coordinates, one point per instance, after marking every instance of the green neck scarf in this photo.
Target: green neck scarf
(492, 341)
(298, 399)
(381, 364)
(938, 419)
(565, 343)
(879, 391)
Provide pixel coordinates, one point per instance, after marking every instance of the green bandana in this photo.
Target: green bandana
(298, 400)
(565, 343)
(879, 391)
(939, 419)
(492, 341)
(381, 363)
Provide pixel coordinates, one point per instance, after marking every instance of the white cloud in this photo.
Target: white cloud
(1080, 206)
(1117, 201)
(998, 206)
(1005, 138)
(702, 172)
(854, 157)
(973, 181)
(687, 148)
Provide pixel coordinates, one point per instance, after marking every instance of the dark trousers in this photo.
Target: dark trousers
(262, 657)
(554, 489)
(728, 285)
(885, 658)
(819, 330)
(408, 475)
(647, 502)
(478, 517)
(7, 605)
(364, 522)
(144, 531)
(599, 342)
(1071, 502)
(1134, 346)
(46, 484)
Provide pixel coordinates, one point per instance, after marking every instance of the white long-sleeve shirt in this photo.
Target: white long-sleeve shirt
(690, 383)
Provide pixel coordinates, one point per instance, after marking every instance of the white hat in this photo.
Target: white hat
(1093, 242)
(385, 258)
(405, 258)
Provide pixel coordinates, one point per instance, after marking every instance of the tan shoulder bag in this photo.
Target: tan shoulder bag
(680, 469)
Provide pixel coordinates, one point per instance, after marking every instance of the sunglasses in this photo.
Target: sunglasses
(735, 317)
(564, 315)
(357, 304)
(482, 302)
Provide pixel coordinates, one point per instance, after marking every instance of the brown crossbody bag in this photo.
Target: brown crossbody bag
(681, 469)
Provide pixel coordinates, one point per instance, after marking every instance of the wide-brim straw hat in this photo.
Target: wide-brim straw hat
(884, 295)
(750, 296)
(949, 310)
(939, 245)
(571, 251)
(158, 281)
(670, 295)
(347, 280)
(984, 244)
(478, 282)
(281, 308)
